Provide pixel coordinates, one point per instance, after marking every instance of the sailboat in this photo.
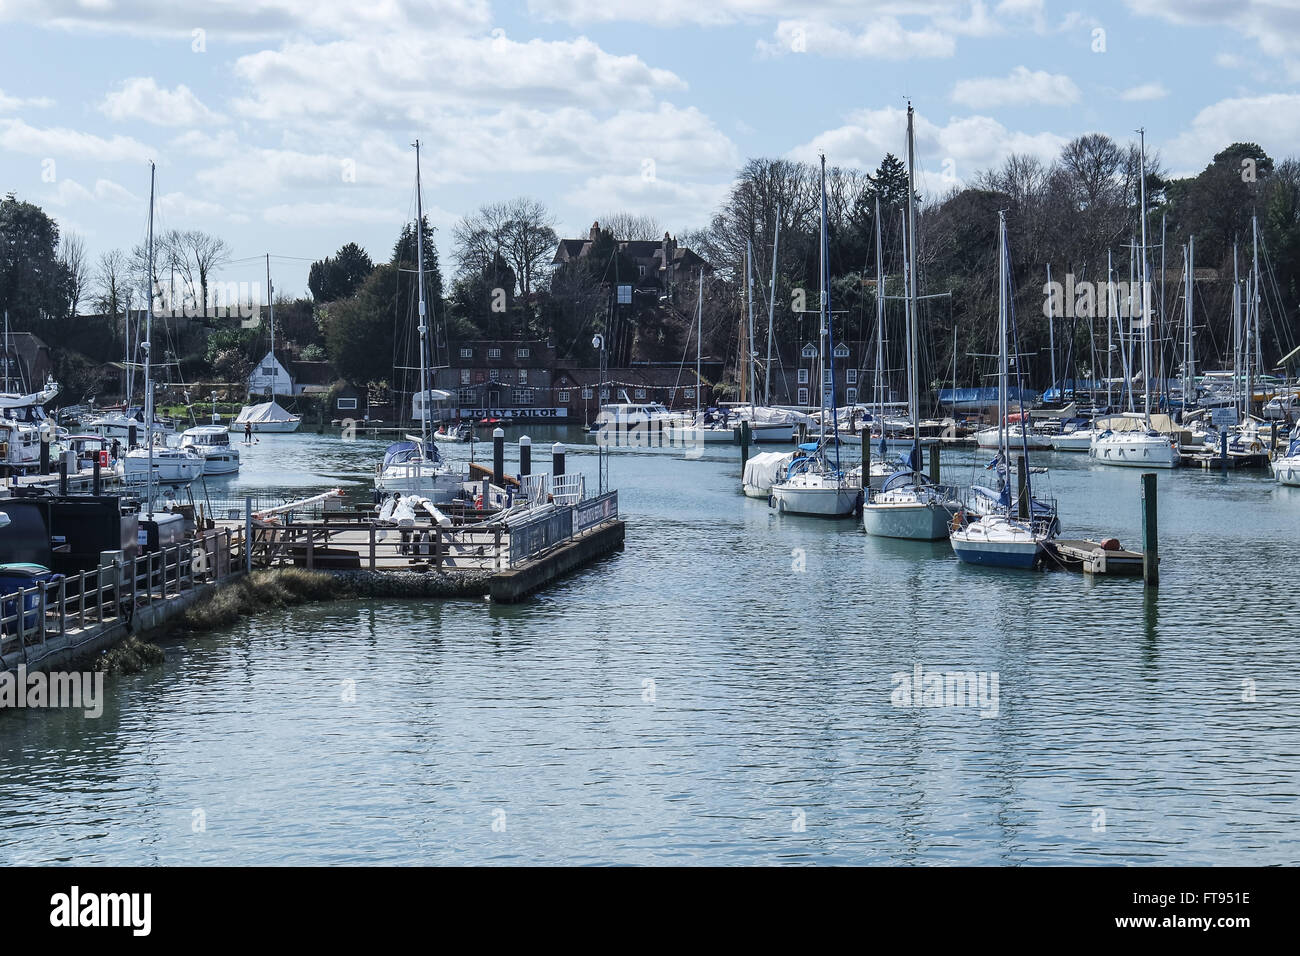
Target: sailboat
(1001, 538)
(909, 504)
(154, 462)
(704, 426)
(815, 484)
(267, 417)
(415, 466)
(1142, 447)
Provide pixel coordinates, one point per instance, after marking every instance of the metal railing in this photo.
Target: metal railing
(72, 606)
(568, 489)
(352, 542)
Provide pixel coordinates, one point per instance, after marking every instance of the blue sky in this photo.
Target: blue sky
(285, 125)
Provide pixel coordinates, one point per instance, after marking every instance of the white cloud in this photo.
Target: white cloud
(1021, 87)
(327, 213)
(1272, 121)
(952, 153)
(62, 143)
(400, 79)
(684, 204)
(244, 19)
(178, 206)
(1145, 91)
(69, 192)
(884, 38)
(140, 98)
(9, 104)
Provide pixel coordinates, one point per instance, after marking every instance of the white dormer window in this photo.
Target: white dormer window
(809, 351)
(841, 351)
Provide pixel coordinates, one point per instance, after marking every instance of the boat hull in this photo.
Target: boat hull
(220, 465)
(1287, 471)
(996, 554)
(915, 521)
(1134, 453)
(1072, 442)
(826, 502)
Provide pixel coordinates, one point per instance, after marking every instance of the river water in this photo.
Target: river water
(723, 691)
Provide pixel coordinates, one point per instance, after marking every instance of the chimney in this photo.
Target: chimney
(595, 231)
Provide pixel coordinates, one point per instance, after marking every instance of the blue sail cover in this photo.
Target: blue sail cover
(402, 452)
(974, 398)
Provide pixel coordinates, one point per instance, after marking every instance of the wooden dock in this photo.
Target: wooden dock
(1091, 558)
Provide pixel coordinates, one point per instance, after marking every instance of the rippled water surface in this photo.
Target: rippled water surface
(699, 699)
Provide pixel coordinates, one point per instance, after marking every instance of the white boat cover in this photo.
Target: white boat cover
(265, 412)
(766, 468)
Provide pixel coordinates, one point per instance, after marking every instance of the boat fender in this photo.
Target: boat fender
(478, 502)
(1111, 544)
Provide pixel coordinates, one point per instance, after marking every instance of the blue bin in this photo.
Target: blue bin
(17, 577)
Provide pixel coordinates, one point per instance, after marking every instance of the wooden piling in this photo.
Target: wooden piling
(1150, 532)
(744, 443)
(866, 456)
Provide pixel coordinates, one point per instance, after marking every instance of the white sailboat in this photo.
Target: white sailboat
(908, 504)
(704, 427)
(1146, 447)
(415, 466)
(154, 463)
(1000, 538)
(815, 484)
(267, 418)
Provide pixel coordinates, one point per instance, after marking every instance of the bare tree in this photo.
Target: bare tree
(627, 226)
(72, 253)
(479, 238)
(529, 241)
(192, 256)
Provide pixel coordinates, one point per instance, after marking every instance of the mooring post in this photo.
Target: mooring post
(1150, 532)
(934, 463)
(744, 443)
(525, 456)
(248, 533)
(1223, 450)
(1022, 487)
(1272, 440)
(557, 460)
(95, 480)
(45, 452)
(63, 475)
(866, 456)
(498, 457)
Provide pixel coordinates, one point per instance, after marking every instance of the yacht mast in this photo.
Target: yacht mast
(1110, 325)
(1236, 331)
(749, 297)
(1051, 332)
(913, 318)
(699, 336)
(419, 284)
(771, 308)
(880, 326)
(1189, 362)
(821, 305)
(1003, 447)
(270, 301)
(146, 345)
(1146, 294)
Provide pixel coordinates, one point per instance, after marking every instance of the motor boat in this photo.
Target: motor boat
(213, 443)
(171, 466)
(1137, 448)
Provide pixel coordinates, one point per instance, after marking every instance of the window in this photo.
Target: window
(494, 374)
(688, 393)
(465, 396)
(852, 396)
(638, 393)
(523, 396)
(494, 353)
(523, 376)
(268, 369)
(523, 353)
(563, 397)
(480, 376)
(464, 376)
(466, 353)
(347, 403)
(826, 376)
(604, 394)
(640, 270)
(851, 377)
(803, 396)
(803, 380)
(809, 351)
(841, 351)
(586, 393)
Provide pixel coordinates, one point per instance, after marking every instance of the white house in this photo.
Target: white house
(271, 373)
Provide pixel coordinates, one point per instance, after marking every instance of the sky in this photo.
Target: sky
(285, 126)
